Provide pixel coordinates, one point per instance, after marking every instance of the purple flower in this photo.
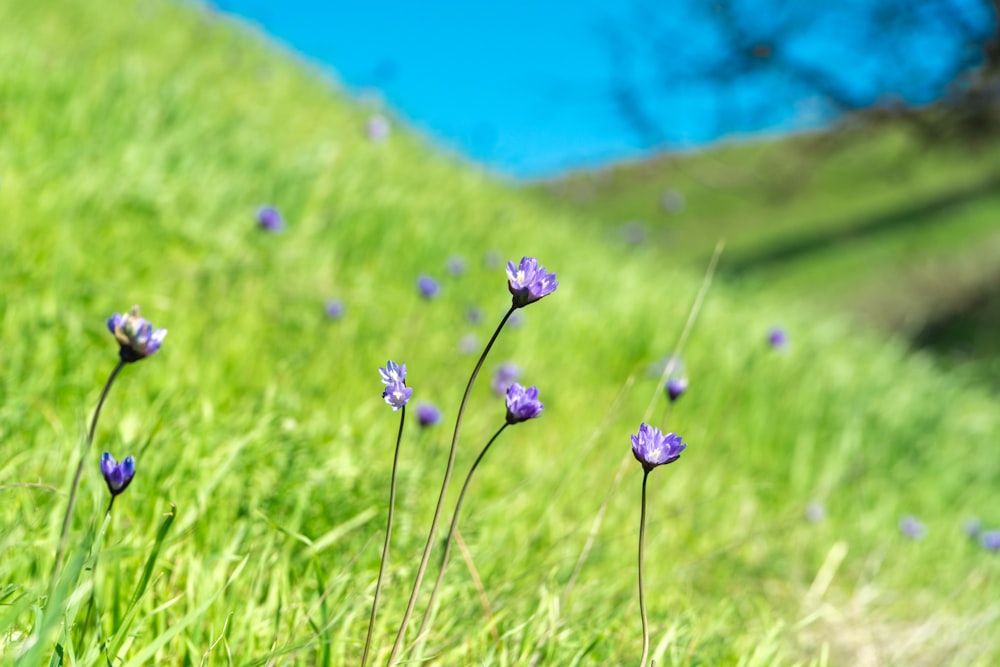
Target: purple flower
(428, 287)
(522, 404)
(516, 320)
(675, 387)
(456, 265)
(911, 527)
(135, 335)
(334, 309)
(428, 415)
(269, 219)
(468, 343)
(777, 338)
(672, 201)
(117, 475)
(815, 512)
(504, 376)
(397, 394)
(528, 281)
(634, 232)
(393, 373)
(474, 315)
(378, 128)
(972, 527)
(990, 540)
(652, 448)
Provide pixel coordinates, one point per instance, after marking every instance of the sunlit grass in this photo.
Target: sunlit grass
(137, 142)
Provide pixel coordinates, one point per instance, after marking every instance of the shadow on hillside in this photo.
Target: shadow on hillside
(968, 336)
(921, 214)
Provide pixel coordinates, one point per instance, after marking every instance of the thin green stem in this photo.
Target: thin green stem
(667, 409)
(595, 526)
(67, 519)
(388, 535)
(642, 588)
(401, 633)
(429, 613)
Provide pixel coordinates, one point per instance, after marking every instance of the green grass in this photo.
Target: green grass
(870, 222)
(137, 140)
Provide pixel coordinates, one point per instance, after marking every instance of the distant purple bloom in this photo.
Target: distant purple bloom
(117, 475)
(522, 404)
(815, 512)
(777, 338)
(504, 376)
(393, 376)
(269, 219)
(675, 387)
(428, 287)
(671, 365)
(397, 394)
(428, 415)
(516, 320)
(135, 335)
(393, 373)
(634, 232)
(528, 281)
(911, 527)
(651, 447)
(474, 315)
(378, 128)
(334, 309)
(456, 265)
(468, 343)
(672, 201)
(972, 527)
(990, 540)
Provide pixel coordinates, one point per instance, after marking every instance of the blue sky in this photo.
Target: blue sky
(519, 85)
(522, 86)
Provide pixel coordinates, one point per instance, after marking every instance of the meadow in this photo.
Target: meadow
(138, 141)
(894, 227)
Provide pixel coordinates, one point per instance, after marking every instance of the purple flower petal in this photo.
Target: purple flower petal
(428, 415)
(651, 447)
(522, 404)
(675, 387)
(136, 337)
(334, 309)
(990, 539)
(378, 128)
(393, 373)
(528, 281)
(504, 376)
(269, 219)
(428, 287)
(468, 343)
(456, 266)
(117, 475)
(777, 338)
(397, 394)
(911, 527)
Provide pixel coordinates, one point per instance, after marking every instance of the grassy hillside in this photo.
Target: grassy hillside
(137, 140)
(900, 233)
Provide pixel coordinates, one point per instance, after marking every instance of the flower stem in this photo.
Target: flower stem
(397, 645)
(595, 526)
(642, 589)
(64, 535)
(429, 613)
(388, 535)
